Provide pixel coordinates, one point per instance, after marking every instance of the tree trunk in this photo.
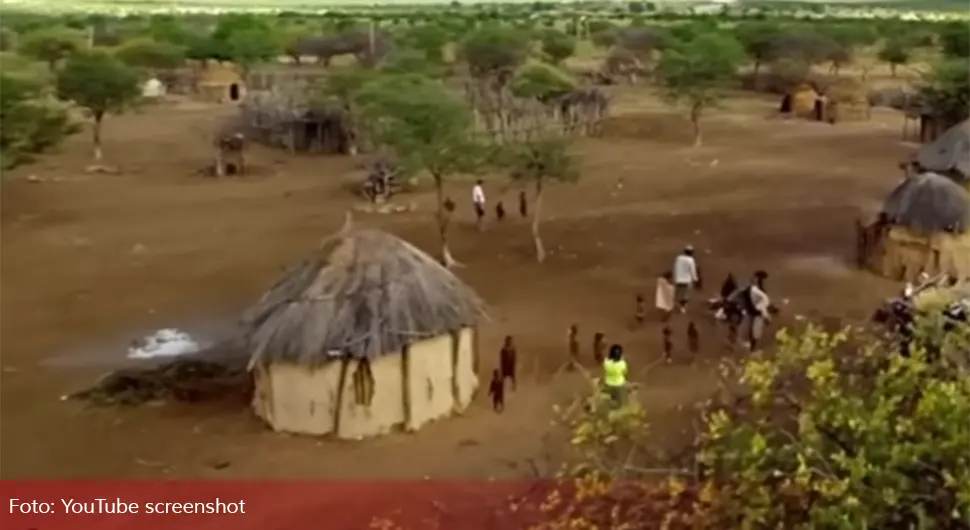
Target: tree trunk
(536, 212)
(96, 133)
(757, 68)
(444, 220)
(892, 69)
(695, 121)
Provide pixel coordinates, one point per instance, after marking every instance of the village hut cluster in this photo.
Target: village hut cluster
(369, 336)
(923, 225)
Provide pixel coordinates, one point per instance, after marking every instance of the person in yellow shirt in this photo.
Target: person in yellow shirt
(615, 373)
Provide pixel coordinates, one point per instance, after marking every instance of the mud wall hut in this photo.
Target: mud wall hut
(369, 336)
(219, 82)
(923, 229)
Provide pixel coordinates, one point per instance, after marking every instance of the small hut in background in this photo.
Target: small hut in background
(801, 101)
(219, 82)
(922, 228)
(370, 335)
(948, 155)
(847, 99)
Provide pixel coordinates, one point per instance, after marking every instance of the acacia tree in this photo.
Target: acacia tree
(495, 50)
(895, 52)
(151, 54)
(52, 45)
(539, 161)
(758, 39)
(946, 88)
(556, 45)
(697, 72)
(100, 83)
(427, 127)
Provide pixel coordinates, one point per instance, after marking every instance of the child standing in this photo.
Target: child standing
(478, 199)
(693, 338)
(573, 346)
(496, 389)
(668, 344)
(599, 346)
(507, 360)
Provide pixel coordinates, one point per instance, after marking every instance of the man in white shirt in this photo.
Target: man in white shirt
(685, 276)
(478, 199)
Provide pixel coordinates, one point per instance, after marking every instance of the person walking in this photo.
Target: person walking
(615, 373)
(685, 277)
(759, 309)
(478, 200)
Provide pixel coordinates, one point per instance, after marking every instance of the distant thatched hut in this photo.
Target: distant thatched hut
(800, 101)
(949, 154)
(219, 82)
(922, 228)
(370, 335)
(847, 99)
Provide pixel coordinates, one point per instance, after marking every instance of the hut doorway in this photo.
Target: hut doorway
(234, 92)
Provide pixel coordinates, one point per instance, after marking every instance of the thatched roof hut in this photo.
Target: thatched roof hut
(926, 229)
(929, 203)
(949, 154)
(370, 334)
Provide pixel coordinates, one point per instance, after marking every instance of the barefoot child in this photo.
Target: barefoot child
(478, 199)
(573, 346)
(496, 389)
(507, 360)
(499, 211)
(599, 346)
(641, 310)
(693, 338)
(668, 343)
(523, 204)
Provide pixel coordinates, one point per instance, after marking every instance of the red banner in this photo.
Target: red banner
(176, 505)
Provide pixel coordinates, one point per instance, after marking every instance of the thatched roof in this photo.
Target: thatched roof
(949, 154)
(365, 293)
(929, 203)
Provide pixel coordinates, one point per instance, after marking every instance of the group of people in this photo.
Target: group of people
(479, 203)
(736, 304)
(614, 369)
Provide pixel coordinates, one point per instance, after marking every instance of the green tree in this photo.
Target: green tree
(758, 40)
(895, 52)
(169, 29)
(100, 83)
(495, 50)
(541, 81)
(292, 38)
(697, 72)
(52, 45)
(427, 127)
(556, 45)
(32, 122)
(539, 161)
(837, 436)
(430, 39)
(955, 40)
(151, 54)
(946, 89)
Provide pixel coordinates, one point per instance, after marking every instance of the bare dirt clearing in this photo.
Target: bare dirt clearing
(87, 257)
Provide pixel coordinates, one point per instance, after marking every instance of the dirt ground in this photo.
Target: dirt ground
(88, 258)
